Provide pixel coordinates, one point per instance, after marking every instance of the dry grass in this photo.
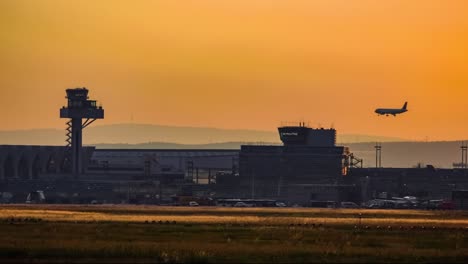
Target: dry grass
(215, 215)
(209, 234)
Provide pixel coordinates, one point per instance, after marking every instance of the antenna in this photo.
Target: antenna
(464, 157)
(378, 155)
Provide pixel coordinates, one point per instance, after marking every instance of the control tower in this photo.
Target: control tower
(78, 108)
(306, 136)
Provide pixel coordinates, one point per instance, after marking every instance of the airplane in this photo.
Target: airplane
(391, 111)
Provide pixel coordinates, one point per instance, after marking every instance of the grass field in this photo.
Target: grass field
(101, 233)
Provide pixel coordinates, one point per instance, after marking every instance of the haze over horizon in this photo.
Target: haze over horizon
(144, 133)
(397, 152)
(239, 64)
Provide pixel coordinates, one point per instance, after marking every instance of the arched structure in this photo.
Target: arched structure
(8, 167)
(36, 167)
(33, 162)
(24, 167)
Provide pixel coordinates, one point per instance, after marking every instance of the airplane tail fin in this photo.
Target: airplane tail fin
(405, 105)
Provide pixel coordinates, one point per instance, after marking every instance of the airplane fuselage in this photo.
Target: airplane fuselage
(390, 111)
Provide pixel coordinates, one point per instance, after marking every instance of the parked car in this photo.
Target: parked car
(348, 205)
(241, 204)
(6, 197)
(193, 203)
(381, 204)
(433, 204)
(36, 197)
(445, 205)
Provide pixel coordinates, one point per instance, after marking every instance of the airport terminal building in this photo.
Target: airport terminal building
(309, 166)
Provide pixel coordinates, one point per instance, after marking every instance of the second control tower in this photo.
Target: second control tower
(306, 136)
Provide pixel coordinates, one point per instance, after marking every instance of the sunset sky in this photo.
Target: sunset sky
(240, 64)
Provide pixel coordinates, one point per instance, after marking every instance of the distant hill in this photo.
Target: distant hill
(131, 136)
(139, 133)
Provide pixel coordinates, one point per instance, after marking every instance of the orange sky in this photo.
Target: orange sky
(240, 63)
